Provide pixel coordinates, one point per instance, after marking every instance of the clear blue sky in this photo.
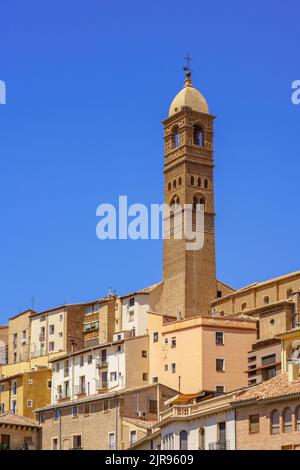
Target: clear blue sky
(88, 84)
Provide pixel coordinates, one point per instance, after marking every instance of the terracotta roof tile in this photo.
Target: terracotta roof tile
(277, 387)
(142, 423)
(16, 420)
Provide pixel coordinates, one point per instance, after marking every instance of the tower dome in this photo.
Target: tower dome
(189, 96)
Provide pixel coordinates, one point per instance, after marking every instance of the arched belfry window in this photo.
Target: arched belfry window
(174, 200)
(175, 137)
(199, 183)
(192, 180)
(198, 199)
(169, 187)
(206, 183)
(180, 181)
(198, 136)
(174, 184)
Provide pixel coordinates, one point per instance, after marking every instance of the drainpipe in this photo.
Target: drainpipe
(158, 400)
(117, 421)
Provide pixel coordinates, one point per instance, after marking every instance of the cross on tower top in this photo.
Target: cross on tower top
(188, 59)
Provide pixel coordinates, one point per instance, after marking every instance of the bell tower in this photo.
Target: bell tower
(189, 276)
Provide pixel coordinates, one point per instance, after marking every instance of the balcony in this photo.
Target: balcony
(102, 384)
(100, 364)
(63, 395)
(42, 337)
(80, 389)
(219, 445)
(66, 372)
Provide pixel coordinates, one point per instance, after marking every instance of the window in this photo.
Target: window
(2, 408)
(77, 441)
(56, 367)
(14, 387)
(15, 357)
(111, 441)
(105, 405)
(113, 376)
(145, 377)
(267, 360)
(51, 329)
(144, 353)
(166, 367)
(90, 359)
(199, 183)
(275, 422)
(119, 348)
(244, 306)
(54, 443)
(219, 389)
(192, 180)
(268, 373)
(219, 338)
(266, 300)
(289, 293)
(23, 337)
(81, 361)
(15, 340)
(175, 137)
(183, 440)
(251, 358)
(253, 424)
(201, 439)
(173, 368)
(42, 417)
(51, 346)
(166, 341)
(133, 437)
(152, 406)
(2, 388)
(56, 415)
(60, 317)
(30, 381)
(174, 184)
(60, 334)
(82, 384)
(220, 365)
(155, 337)
(154, 380)
(219, 294)
(198, 136)
(86, 409)
(75, 411)
(14, 406)
(169, 187)
(131, 302)
(173, 342)
(287, 420)
(29, 403)
(130, 316)
(180, 181)
(297, 418)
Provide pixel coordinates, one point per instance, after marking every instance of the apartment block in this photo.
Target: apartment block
(18, 433)
(201, 353)
(112, 366)
(264, 361)
(3, 344)
(20, 394)
(19, 337)
(96, 422)
(100, 321)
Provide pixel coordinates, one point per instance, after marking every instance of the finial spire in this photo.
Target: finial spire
(188, 70)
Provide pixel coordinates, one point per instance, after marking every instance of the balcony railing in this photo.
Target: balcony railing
(42, 337)
(219, 445)
(79, 389)
(66, 371)
(101, 384)
(101, 363)
(63, 395)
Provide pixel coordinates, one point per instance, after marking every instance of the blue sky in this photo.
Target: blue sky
(88, 84)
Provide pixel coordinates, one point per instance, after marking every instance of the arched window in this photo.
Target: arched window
(199, 183)
(266, 300)
(287, 420)
(206, 183)
(183, 440)
(289, 293)
(174, 184)
(201, 439)
(198, 136)
(297, 418)
(198, 200)
(192, 180)
(244, 306)
(275, 422)
(175, 200)
(175, 137)
(169, 187)
(180, 181)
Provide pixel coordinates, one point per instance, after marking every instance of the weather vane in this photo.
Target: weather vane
(187, 68)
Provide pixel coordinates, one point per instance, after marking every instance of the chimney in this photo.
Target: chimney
(293, 371)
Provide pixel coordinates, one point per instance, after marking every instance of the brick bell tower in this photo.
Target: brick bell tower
(189, 276)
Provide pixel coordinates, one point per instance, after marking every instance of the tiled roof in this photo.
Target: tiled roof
(16, 420)
(146, 290)
(278, 387)
(141, 423)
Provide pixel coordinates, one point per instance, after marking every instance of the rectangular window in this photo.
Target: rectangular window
(251, 358)
(220, 365)
(90, 359)
(155, 337)
(113, 376)
(51, 346)
(105, 405)
(23, 336)
(81, 361)
(133, 437)
(49, 384)
(173, 342)
(130, 316)
(2, 408)
(14, 406)
(87, 409)
(111, 441)
(173, 368)
(51, 329)
(253, 424)
(75, 411)
(42, 417)
(77, 441)
(54, 443)
(220, 389)
(145, 377)
(30, 381)
(166, 341)
(154, 380)
(56, 415)
(14, 387)
(219, 338)
(268, 360)
(166, 367)
(2, 388)
(144, 353)
(15, 357)
(29, 403)
(131, 302)
(15, 340)
(152, 406)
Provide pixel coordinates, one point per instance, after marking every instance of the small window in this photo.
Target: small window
(60, 317)
(2, 408)
(220, 366)
(75, 411)
(77, 441)
(42, 417)
(54, 443)
(60, 334)
(289, 293)
(266, 300)
(51, 346)
(51, 329)
(220, 389)
(166, 367)
(166, 341)
(199, 182)
(145, 377)
(154, 380)
(111, 441)
(152, 406)
(183, 440)
(180, 181)
(86, 409)
(192, 180)
(29, 403)
(155, 337)
(219, 294)
(105, 405)
(198, 136)
(173, 368)
(206, 183)
(56, 415)
(174, 184)
(144, 353)
(287, 420)
(90, 359)
(173, 342)
(81, 361)
(30, 381)
(274, 418)
(131, 302)
(49, 384)
(220, 338)
(113, 376)
(133, 437)
(169, 187)
(244, 306)
(253, 424)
